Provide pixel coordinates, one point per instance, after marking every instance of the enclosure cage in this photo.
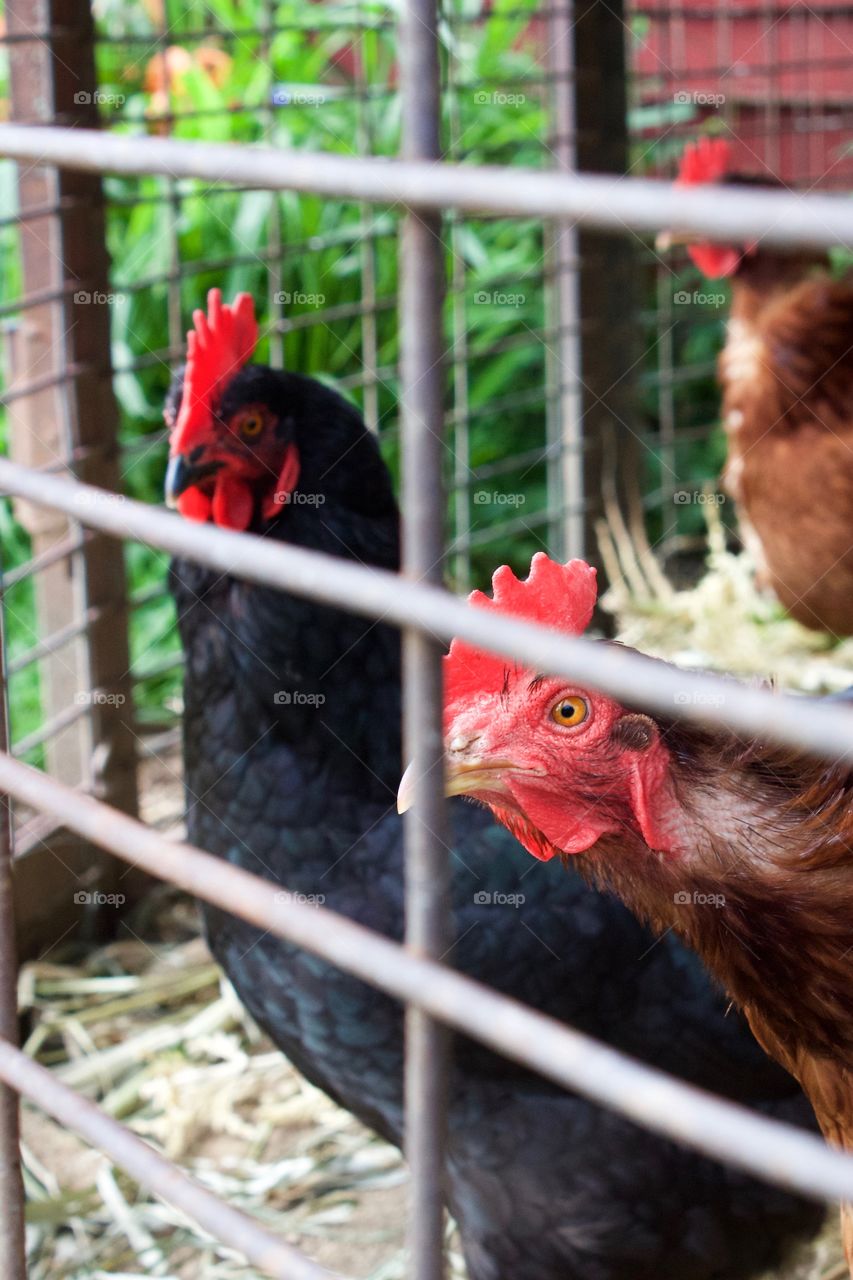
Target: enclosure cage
(578, 392)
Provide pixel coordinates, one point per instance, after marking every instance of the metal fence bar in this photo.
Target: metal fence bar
(427, 872)
(826, 732)
(13, 1254)
(564, 406)
(613, 204)
(226, 1224)
(773, 1151)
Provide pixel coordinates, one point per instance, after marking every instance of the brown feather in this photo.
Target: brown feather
(787, 376)
(769, 906)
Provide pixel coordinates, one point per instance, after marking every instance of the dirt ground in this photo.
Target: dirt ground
(150, 1029)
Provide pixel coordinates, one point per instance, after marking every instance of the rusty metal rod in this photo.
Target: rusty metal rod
(56, 640)
(826, 732)
(427, 843)
(61, 550)
(612, 204)
(729, 1132)
(264, 1250)
(50, 728)
(13, 1254)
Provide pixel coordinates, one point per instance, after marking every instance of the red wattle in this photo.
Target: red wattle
(288, 478)
(194, 505)
(715, 261)
(233, 503)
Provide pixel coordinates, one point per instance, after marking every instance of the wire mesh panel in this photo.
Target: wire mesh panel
(541, 437)
(325, 280)
(773, 79)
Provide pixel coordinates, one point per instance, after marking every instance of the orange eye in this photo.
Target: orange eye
(570, 711)
(251, 424)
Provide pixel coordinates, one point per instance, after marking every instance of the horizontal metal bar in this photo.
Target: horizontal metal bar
(826, 732)
(506, 466)
(59, 638)
(611, 204)
(770, 1150)
(263, 1249)
(59, 379)
(50, 728)
(171, 662)
(328, 315)
(61, 550)
(315, 25)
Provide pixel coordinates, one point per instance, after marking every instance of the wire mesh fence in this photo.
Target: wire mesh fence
(89, 348)
(770, 78)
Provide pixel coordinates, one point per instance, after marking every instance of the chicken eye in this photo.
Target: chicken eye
(570, 711)
(251, 424)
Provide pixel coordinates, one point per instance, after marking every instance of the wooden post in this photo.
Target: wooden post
(72, 424)
(593, 273)
(38, 422)
(93, 410)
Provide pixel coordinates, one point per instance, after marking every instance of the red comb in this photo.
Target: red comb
(217, 347)
(707, 160)
(560, 596)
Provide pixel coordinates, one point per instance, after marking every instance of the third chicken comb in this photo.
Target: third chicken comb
(561, 596)
(707, 160)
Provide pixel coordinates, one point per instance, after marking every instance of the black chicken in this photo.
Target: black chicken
(292, 758)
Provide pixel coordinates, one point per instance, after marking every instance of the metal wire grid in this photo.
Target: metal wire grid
(767, 1148)
(359, 329)
(774, 78)
(718, 1128)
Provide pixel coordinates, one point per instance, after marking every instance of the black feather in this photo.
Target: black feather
(292, 753)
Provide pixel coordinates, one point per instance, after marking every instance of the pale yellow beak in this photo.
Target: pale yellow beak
(666, 240)
(463, 778)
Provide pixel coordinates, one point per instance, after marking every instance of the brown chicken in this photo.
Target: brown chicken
(745, 850)
(787, 377)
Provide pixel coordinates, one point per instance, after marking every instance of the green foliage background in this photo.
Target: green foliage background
(184, 230)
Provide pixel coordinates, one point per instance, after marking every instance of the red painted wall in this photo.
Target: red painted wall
(778, 75)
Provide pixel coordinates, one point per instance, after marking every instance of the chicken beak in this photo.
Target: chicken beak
(666, 240)
(461, 778)
(181, 474)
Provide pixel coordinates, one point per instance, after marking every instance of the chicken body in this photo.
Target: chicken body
(745, 851)
(787, 376)
(292, 757)
(765, 896)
